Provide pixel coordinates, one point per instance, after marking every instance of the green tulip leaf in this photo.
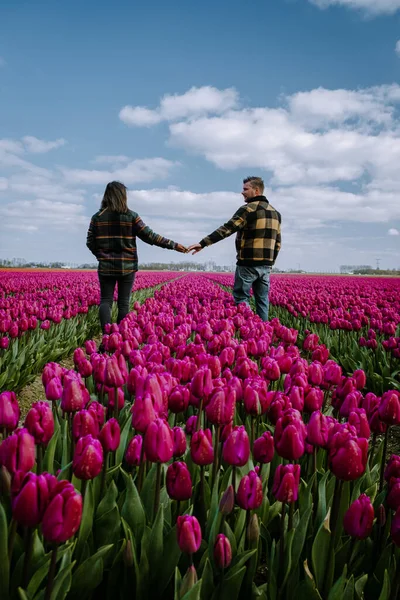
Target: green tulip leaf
(320, 554)
(133, 511)
(207, 579)
(148, 492)
(90, 573)
(120, 452)
(337, 589)
(194, 593)
(360, 585)
(300, 536)
(348, 593)
(62, 582)
(48, 459)
(231, 585)
(4, 562)
(86, 522)
(385, 593)
(170, 559)
(156, 543)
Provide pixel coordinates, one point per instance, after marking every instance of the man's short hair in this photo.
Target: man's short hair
(255, 182)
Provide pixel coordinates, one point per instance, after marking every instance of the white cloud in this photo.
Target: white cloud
(135, 171)
(111, 159)
(393, 232)
(397, 47)
(37, 146)
(3, 184)
(193, 103)
(30, 215)
(371, 7)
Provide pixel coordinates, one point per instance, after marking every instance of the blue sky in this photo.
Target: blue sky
(180, 101)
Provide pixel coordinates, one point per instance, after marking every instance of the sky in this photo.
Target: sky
(181, 100)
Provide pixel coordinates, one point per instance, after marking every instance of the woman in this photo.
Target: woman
(112, 239)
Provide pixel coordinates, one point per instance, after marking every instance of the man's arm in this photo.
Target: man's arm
(91, 237)
(277, 243)
(238, 221)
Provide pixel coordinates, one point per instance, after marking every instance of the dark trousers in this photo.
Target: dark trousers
(107, 286)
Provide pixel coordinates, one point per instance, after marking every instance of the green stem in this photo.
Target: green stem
(39, 460)
(216, 447)
(103, 475)
(11, 539)
(385, 443)
(234, 480)
(158, 489)
(28, 556)
(332, 525)
(198, 424)
(116, 403)
(291, 513)
(83, 489)
(52, 572)
(282, 545)
(141, 469)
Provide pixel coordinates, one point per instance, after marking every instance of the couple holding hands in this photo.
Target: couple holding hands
(114, 228)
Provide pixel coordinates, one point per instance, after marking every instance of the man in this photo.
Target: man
(258, 242)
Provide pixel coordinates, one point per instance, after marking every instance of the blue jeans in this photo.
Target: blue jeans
(257, 278)
(107, 285)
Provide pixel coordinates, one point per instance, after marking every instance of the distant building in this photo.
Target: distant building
(350, 269)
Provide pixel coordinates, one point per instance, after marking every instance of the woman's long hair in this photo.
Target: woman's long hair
(115, 198)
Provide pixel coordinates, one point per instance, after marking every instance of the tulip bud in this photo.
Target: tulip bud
(389, 408)
(333, 373)
(17, 452)
(286, 483)
(188, 582)
(29, 504)
(250, 493)
(188, 533)
(98, 412)
(289, 436)
(78, 356)
(113, 376)
(110, 435)
(191, 425)
(318, 430)
(253, 531)
(84, 368)
(221, 406)
(179, 482)
(358, 418)
(201, 385)
(40, 422)
(127, 555)
(359, 518)
(360, 378)
(222, 551)
(133, 452)
(393, 497)
(347, 455)
(63, 515)
(201, 448)
(179, 442)
(227, 501)
(90, 347)
(84, 423)
(263, 448)
(54, 389)
(313, 400)
(158, 441)
(74, 396)
(143, 413)
(392, 467)
(236, 449)
(9, 411)
(88, 458)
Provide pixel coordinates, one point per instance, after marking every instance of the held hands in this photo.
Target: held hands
(180, 248)
(195, 247)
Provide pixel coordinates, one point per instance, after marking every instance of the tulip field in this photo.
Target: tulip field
(204, 454)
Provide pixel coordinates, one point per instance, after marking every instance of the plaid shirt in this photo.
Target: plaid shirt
(258, 227)
(112, 239)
